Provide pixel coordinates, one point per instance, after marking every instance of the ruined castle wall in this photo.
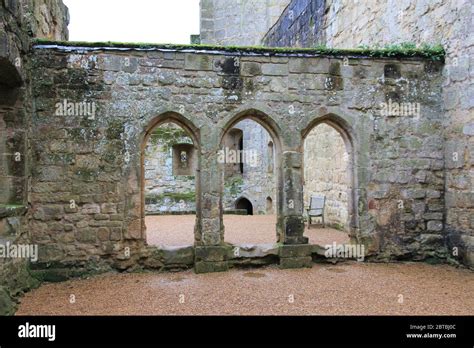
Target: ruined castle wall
(300, 25)
(238, 22)
(449, 23)
(20, 21)
(166, 192)
(257, 182)
(97, 162)
(349, 24)
(327, 172)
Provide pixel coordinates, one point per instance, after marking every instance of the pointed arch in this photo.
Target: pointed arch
(193, 132)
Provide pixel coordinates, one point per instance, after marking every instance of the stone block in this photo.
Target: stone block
(309, 66)
(178, 255)
(435, 226)
(296, 262)
(103, 233)
(210, 267)
(250, 69)
(198, 62)
(275, 69)
(295, 250)
(211, 253)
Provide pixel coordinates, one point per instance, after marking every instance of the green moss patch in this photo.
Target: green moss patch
(403, 50)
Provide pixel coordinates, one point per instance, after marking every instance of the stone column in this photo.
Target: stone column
(295, 252)
(210, 253)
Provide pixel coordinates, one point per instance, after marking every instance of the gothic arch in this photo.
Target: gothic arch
(193, 132)
(342, 126)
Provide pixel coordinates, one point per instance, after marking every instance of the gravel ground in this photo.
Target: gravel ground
(344, 289)
(178, 230)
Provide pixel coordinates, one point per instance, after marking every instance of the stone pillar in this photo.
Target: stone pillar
(291, 218)
(210, 253)
(295, 252)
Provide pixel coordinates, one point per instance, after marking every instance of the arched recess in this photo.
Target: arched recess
(350, 141)
(274, 131)
(193, 132)
(244, 203)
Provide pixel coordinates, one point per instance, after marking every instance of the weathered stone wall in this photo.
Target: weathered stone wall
(348, 24)
(169, 193)
(257, 182)
(166, 192)
(326, 172)
(300, 25)
(96, 162)
(20, 21)
(238, 22)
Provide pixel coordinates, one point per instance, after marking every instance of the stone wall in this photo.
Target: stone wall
(238, 22)
(326, 172)
(257, 183)
(20, 21)
(300, 25)
(349, 24)
(166, 192)
(96, 162)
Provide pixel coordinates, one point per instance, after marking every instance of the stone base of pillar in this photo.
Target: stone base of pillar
(210, 267)
(296, 256)
(296, 262)
(210, 259)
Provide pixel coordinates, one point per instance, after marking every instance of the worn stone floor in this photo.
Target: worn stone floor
(178, 230)
(344, 289)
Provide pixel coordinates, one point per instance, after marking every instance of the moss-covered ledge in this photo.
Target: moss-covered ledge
(406, 50)
(9, 210)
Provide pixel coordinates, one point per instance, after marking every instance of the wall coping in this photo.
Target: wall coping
(435, 53)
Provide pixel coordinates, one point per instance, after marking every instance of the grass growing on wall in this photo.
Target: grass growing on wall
(403, 50)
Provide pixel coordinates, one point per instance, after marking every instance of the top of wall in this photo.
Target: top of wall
(436, 53)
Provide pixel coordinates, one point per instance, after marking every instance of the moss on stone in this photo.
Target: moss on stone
(403, 50)
(176, 196)
(86, 174)
(233, 185)
(169, 136)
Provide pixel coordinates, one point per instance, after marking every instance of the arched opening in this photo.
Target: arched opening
(250, 191)
(269, 205)
(170, 163)
(270, 156)
(327, 184)
(233, 146)
(244, 204)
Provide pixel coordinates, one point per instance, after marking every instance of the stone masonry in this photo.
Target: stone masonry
(238, 22)
(326, 168)
(96, 162)
(347, 24)
(74, 120)
(20, 21)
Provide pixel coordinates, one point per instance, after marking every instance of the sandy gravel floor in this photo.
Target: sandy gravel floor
(177, 230)
(350, 288)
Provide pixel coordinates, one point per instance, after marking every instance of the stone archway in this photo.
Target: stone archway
(189, 153)
(244, 204)
(271, 159)
(342, 131)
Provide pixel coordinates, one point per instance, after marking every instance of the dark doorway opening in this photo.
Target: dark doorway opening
(244, 203)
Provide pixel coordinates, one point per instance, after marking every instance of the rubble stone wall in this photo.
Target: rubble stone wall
(96, 161)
